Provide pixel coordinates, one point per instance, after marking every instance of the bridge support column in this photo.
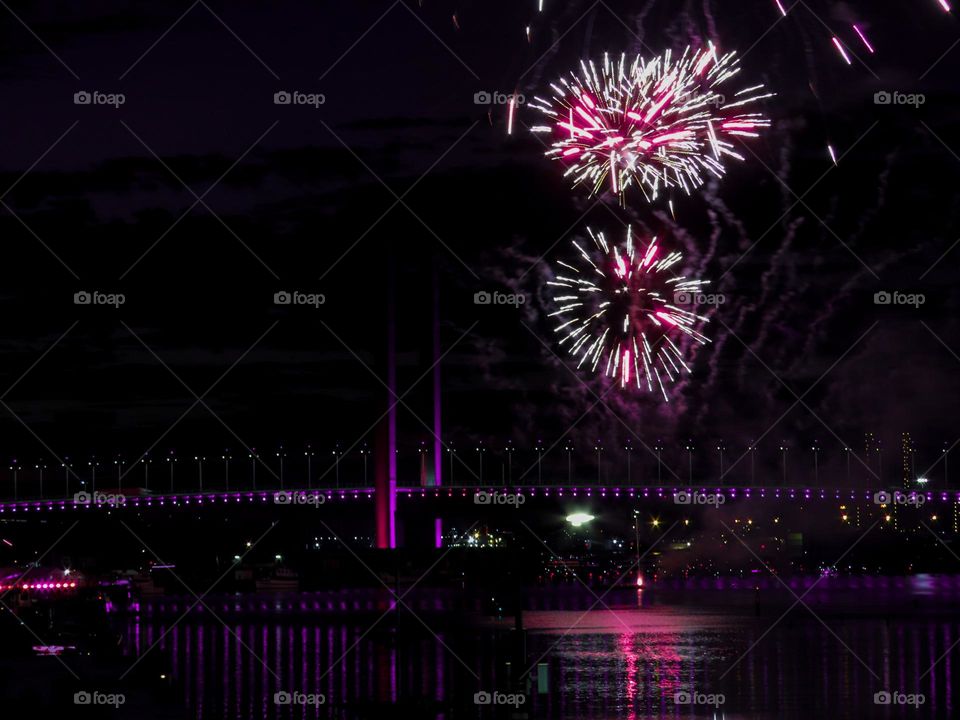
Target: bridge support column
(385, 442)
(437, 406)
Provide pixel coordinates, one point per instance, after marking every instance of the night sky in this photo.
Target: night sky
(399, 168)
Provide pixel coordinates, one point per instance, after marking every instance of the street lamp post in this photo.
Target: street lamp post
(629, 448)
(946, 474)
(66, 476)
(659, 448)
(336, 464)
(753, 464)
(13, 466)
(721, 446)
(480, 451)
(450, 451)
(569, 448)
(281, 455)
(146, 471)
(253, 468)
(226, 468)
(93, 474)
(783, 452)
(689, 448)
(309, 455)
(40, 466)
(816, 462)
(199, 460)
(846, 452)
(539, 462)
(599, 448)
(365, 453)
(119, 463)
(171, 461)
(509, 450)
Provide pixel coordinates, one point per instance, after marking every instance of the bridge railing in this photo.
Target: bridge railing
(473, 467)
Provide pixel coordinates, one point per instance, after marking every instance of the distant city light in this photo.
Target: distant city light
(579, 518)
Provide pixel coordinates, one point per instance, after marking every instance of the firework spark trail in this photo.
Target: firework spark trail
(617, 313)
(657, 123)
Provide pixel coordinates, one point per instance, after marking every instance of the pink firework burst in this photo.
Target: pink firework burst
(655, 124)
(618, 307)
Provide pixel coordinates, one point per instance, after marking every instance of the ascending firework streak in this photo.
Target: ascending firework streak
(618, 307)
(656, 123)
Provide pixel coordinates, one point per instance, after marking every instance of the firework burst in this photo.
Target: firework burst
(618, 314)
(655, 124)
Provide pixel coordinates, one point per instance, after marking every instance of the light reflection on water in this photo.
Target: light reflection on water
(628, 661)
